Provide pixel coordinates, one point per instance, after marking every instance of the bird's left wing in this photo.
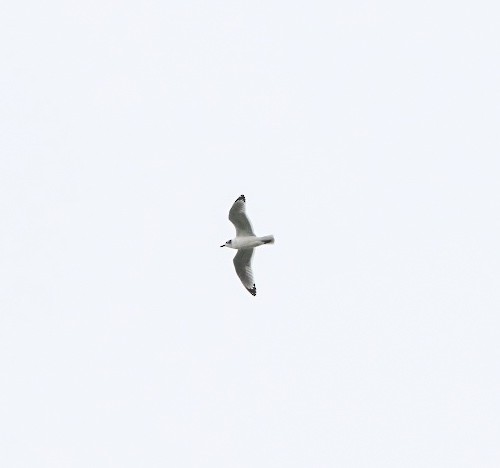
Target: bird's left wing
(242, 263)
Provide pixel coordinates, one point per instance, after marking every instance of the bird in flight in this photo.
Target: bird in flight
(245, 242)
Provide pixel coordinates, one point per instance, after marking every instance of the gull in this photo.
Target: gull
(245, 242)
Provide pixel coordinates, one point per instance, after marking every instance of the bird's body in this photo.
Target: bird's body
(245, 242)
(249, 242)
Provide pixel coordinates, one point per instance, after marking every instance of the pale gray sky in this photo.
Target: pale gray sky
(365, 138)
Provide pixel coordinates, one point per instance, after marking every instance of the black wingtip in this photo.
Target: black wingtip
(252, 291)
(241, 197)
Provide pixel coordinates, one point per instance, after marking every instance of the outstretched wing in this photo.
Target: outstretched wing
(239, 218)
(242, 264)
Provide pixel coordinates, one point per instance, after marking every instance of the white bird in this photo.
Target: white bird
(245, 241)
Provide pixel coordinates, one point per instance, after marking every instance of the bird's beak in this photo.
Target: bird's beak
(223, 245)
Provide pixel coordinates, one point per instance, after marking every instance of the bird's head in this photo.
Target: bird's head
(227, 244)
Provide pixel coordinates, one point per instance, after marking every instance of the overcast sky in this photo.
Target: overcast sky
(365, 137)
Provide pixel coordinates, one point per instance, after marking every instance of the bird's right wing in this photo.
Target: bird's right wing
(239, 218)
(242, 264)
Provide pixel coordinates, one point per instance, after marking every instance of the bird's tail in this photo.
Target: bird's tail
(267, 239)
